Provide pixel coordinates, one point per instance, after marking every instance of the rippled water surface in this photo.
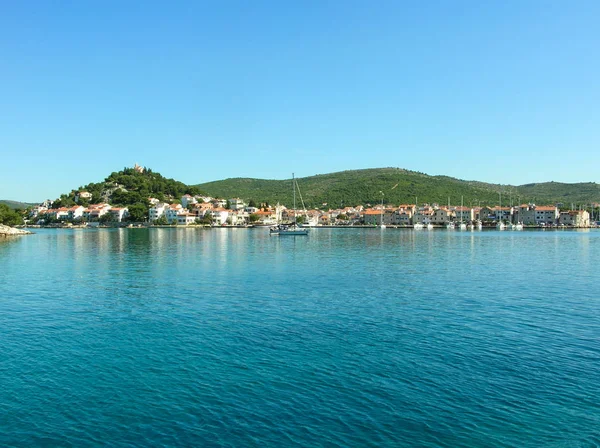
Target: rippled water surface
(184, 337)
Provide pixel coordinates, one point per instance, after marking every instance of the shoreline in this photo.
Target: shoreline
(19, 231)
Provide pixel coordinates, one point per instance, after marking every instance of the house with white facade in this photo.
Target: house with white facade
(172, 211)
(219, 215)
(157, 210)
(118, 214)
(76, 212)
(187, 199)
(37, 210)
(266, 217)
(574, 218)
(238, 217)
(236, 204)
(83, 195)
(95, 211)
(186, 218)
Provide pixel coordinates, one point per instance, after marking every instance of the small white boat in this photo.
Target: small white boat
(450, 226)
(519, 226)
(418, 226)
(501, 226)
(462, 226)
(429, 226)
(291, 230)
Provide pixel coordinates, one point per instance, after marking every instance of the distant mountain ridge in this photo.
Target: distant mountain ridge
(355, 187)
(15, 205)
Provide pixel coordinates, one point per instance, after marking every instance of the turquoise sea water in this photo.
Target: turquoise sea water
(185, 337)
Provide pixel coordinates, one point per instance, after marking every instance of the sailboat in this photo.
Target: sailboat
(500, 225)
(462, 225)
(416, 225)
(381, 225)
(290, 229)
(449, 224)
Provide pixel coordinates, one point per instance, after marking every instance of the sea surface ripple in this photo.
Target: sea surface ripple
(230, 337)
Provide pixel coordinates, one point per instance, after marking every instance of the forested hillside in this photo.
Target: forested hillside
(129, 188)
(398, 186)
(15, 205)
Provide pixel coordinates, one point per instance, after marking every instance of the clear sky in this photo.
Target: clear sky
(498, 91)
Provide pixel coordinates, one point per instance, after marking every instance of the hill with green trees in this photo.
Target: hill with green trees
(15, 205)
(129, 188)
(399, 186)
(10, 217)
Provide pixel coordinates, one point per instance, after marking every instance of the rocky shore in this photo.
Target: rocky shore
(8, 231)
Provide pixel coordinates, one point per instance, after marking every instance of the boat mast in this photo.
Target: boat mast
(294, 188)
(381, 223)
(500, 207)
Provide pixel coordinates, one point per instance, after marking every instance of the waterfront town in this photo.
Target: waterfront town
(204, 210)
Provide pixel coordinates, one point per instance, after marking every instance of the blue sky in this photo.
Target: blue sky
(503, 92)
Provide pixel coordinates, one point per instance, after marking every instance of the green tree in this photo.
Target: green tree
(253, 217)
(137, 212)
(161, 221)
(105, 218)
(251, 203)
(9, 217)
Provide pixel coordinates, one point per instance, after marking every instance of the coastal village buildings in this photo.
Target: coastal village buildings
(530, 214)
(118, 214)
(194, 209)
(83, 195)
(185, 219)
(575, 218)
(464, 214)
(236, 204)
(441, 216)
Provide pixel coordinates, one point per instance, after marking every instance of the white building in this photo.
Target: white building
(236, 204)
(157, 210)
(93, 212)
(118, 214)
(83, 195)
(187, 199)
(219, 203)
(575, 218)
(219, 216)
(172, 211)
(185, 219)
(37, 210)
(76, 212)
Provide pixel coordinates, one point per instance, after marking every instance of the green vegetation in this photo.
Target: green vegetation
(130, 188)
(15, 205)
(348, 188)
(9, 217)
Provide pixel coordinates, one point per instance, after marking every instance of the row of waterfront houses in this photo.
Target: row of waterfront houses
(527, 214)
(79, 213)
(235, 211)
